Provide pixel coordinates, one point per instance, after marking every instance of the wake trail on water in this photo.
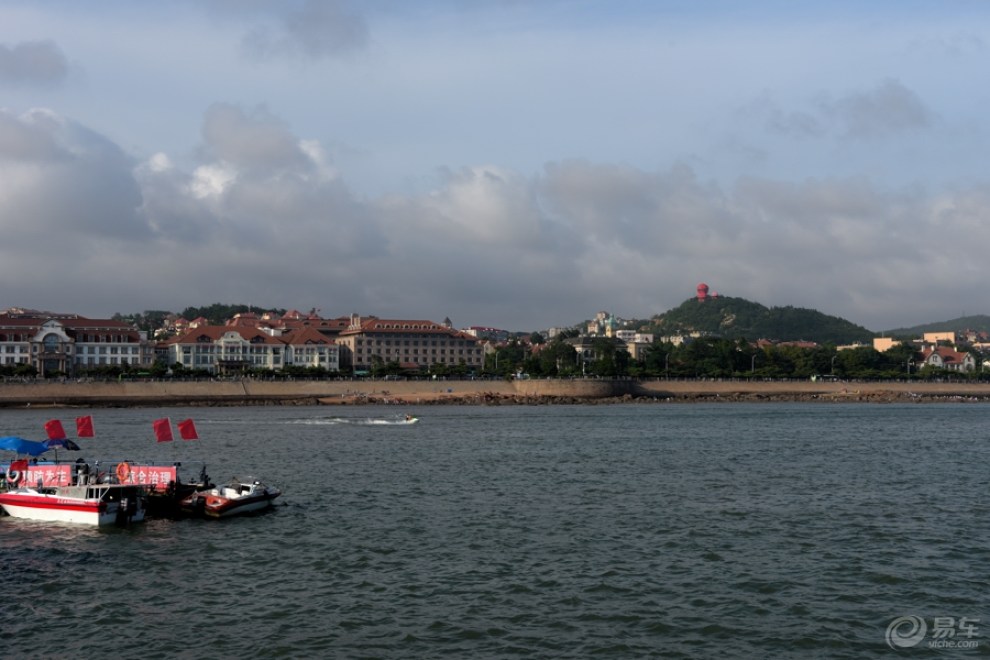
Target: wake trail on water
(353, 421)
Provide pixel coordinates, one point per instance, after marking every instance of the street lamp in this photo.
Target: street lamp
(834, 358)
(909, 363)
(752, 366)
(666, 366)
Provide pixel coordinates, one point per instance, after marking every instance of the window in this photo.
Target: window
(51, 343)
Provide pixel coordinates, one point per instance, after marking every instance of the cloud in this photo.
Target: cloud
(249, 141)
(62, 183)
(261, 216)
(260, 189)
(888, 109)
(885, 111)
(24, 139)
(663, 212)
(32, 62)
(306, 29)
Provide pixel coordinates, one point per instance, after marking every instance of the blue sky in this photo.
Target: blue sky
(502, 163)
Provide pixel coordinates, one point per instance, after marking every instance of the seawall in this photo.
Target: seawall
(353, 392)
(246, 392)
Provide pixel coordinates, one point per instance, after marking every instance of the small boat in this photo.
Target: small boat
(235, 498)
(95, 504)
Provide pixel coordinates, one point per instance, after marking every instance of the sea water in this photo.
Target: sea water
(663, 530)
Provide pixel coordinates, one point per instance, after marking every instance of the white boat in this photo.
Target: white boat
(235, 498)
(87, 504)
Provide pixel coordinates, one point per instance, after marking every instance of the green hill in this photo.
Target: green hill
(736, 318)
(977, 323)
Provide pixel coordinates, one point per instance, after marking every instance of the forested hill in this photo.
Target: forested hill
(977, 323)
(735, 318)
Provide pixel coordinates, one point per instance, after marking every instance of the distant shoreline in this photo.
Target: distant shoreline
(473, 392)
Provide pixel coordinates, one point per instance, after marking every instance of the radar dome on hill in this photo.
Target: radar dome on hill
(703, 293)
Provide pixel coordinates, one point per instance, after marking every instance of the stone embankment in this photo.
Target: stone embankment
(470, 392)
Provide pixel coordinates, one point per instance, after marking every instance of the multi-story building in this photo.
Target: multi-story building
(220, 349)
(70, 344)
(412, 344)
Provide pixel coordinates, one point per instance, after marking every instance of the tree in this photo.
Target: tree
(557, 358)
(611, 359)
(504, 359)
(439, 369)
(25, 370)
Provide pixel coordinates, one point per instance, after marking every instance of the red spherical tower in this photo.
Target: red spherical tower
(702, 292)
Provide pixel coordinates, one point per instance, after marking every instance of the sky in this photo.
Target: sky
(502, 163)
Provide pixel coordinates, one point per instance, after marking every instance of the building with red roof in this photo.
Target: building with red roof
(413, 344)
(226, 349)
(70, 344)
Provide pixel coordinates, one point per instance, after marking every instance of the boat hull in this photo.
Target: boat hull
(231, 500)
(228, 508)
(58, 507)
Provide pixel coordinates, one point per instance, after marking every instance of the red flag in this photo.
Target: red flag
(187, 430)
(55, 430)
(84, 427)
(163, 430)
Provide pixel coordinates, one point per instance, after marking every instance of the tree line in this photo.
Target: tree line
(714, 357)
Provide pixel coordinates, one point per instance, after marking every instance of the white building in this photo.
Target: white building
(70, 344)
(233, 349)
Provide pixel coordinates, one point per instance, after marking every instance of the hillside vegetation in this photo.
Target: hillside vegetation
(737, 318)
(977, 323)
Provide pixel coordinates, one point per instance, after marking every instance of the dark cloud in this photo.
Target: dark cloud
(32, 62)
(308, 29)
(64, 182)
(23, 139)
(889, 109)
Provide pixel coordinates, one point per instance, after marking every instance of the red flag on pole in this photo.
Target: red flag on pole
(187, 430)
(163, 430)
(84, 427)
(55, 430)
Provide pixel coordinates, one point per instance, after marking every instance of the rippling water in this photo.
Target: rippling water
(689, 531)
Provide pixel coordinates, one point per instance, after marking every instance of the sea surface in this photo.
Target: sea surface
(624, 531)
